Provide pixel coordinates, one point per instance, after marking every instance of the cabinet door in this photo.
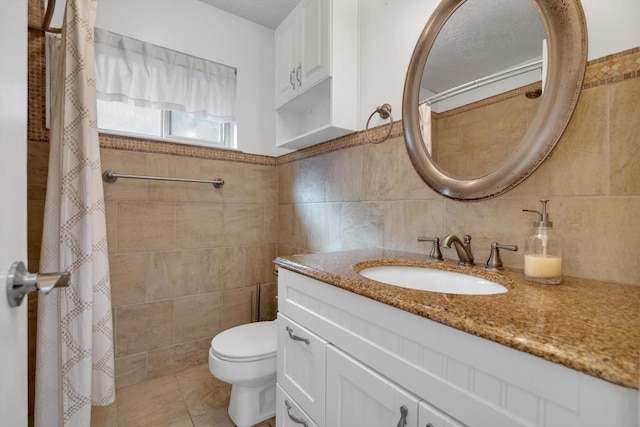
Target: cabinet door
(430, 416)
(313, 60)
(301, 367)
(357, 396)
(288, 413)
(286, 59)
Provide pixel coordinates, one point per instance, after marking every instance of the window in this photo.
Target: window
(164, 125)
(148, 91)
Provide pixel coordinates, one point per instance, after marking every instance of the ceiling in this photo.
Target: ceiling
(268, 13)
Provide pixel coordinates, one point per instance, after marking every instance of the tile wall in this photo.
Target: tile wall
(475, 139)
(370, 195)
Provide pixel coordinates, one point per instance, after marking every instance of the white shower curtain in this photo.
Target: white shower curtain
(74, 362)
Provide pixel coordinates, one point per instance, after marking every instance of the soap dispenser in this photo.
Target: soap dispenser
(543, 251)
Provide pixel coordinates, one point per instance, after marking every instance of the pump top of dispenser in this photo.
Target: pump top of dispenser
(543, 217)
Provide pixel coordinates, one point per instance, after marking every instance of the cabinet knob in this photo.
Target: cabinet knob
(291, 81)
(299, 74)
(296, 337)
(403, 416)
(294, 419)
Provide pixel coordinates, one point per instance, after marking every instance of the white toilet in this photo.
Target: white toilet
(245, 357)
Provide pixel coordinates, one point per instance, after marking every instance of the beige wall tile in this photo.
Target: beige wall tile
(309, 177)
(270, 223)
(178, 357)
(173, 274)
(255, 258)
(576, 166)
(128, 278)
(128, 163)
(323, 225)
(404, 221)
(585, 224)
(243, 224)
(624, 155)
(222, 268)
(143, 327)
(238, 307)
(290, 229)
(385, 171)
(198, 316)
(362, 225)
(344, 175)
(233, 174)
(285, 183)
(199, 225)
(145, 227)
(131, 370)
(260, 184)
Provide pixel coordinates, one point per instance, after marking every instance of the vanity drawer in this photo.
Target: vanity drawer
(288, 413)
(301, 367)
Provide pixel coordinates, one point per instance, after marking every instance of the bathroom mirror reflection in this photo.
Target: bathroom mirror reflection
(486, 60)
(474, 124)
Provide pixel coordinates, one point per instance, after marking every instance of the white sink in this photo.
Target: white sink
(427, 279)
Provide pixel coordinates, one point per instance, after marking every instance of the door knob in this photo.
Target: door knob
(20, 282)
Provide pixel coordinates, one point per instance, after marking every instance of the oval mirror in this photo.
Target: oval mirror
(490, 90)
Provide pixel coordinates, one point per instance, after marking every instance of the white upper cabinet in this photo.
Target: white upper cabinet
(302, 50)
(316, 73)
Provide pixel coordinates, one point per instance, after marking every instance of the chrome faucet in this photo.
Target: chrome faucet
(462, 248)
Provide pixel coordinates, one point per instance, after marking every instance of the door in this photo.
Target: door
(286, 59)
(13, 207)
(357, 396)
(313, 51)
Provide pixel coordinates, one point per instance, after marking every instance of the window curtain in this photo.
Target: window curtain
(74, 351)
(150, 76)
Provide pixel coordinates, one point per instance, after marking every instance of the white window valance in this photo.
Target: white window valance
(150, 76)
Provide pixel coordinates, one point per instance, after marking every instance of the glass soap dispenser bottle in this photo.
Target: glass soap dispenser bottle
(543, 251)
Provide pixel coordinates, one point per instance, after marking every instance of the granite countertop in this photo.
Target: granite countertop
(587, 325)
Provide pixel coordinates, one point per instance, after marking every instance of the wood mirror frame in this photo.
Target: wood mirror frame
(565, 28)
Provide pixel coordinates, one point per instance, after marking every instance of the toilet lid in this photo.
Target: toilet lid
(250, 341)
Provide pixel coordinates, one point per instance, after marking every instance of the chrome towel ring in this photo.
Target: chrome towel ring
(385, 113)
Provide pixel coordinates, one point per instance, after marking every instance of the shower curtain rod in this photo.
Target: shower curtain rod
(483, 81)
(46, 22)
(111, 176)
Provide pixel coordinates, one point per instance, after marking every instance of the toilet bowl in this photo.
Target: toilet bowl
(245, 357)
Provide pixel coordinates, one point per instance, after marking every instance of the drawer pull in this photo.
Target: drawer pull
(403, 416)
(294, 419)
(297, 338)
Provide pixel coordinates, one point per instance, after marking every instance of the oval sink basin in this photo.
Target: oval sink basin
(427, 279)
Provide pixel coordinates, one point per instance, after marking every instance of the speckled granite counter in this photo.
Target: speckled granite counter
(587, 325)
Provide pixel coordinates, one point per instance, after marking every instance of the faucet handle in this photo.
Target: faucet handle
(435, 249)
(494, 262)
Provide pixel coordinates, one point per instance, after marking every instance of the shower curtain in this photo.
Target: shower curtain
(74, 360)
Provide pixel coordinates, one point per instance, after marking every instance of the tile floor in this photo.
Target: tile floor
(191, 398)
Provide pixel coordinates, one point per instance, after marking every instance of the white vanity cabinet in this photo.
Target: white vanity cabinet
(357, 396)
(301, 367)
(378, 358)
(316, 73)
